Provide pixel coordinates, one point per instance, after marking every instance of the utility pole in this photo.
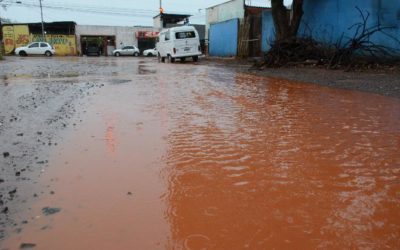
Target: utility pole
(161, 9)
(41, 14)
(1, 35)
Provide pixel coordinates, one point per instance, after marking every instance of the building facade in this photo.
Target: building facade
(230, 10)
(61, 35)
(108, 38)
(233, 29)
(70, 39)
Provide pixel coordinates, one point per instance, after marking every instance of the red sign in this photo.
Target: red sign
(146, 34)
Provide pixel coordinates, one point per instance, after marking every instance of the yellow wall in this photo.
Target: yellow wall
(15, 36)
(65, 45)
(8, 39)
(21, 35)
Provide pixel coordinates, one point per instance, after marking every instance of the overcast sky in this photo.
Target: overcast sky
(106, 12)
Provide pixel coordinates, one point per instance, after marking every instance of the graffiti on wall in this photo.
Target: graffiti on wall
(64, 44)
(8, 39)
(15, 36)
(21, 35)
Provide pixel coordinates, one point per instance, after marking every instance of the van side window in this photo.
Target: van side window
(185, 34)
(167, 37)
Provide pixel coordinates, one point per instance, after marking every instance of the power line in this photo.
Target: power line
(105, 12)
(88, 9)
(94, 9)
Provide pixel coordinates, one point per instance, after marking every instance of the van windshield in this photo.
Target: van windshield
(185, 34)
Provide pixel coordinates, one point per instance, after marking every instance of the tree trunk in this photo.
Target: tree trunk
(286, 27)
(281, 19)
(297, 15)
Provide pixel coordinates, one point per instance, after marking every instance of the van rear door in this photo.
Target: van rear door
(186, 42)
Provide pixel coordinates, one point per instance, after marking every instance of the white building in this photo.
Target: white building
(223, 12)
(110, 37)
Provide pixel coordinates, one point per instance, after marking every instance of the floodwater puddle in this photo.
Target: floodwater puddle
(144, 69)
(119, 81)
(202, 159)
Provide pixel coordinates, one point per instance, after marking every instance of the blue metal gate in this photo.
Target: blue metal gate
(223, 39)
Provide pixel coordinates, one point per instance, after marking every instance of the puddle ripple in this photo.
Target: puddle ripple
(283, 165)
(206, 158)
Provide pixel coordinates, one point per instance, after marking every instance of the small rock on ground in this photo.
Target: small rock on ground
(50, 210)
(27, 246)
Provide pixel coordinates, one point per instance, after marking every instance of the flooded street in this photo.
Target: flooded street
(186, 156)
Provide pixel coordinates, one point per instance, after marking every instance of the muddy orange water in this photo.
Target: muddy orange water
(203, 157)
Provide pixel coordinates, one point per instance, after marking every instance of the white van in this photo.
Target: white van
(178, 42)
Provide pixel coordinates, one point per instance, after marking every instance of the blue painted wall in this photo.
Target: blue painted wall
(267, 30)
(223, 38)
(327, 20)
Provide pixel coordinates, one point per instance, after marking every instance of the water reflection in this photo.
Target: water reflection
(143, 69)
(275, 164)
(5, 80)
(110, 136)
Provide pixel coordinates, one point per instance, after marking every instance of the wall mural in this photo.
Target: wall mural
(64, 44)
(15, 36)
(8, 39)
(21, 35)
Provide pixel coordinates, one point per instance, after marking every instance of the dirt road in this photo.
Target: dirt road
(126, 153)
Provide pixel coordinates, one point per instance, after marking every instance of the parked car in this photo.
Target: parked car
(93, 50)
(36, 48)
(127, 51)
(150, 52)
(178, 43)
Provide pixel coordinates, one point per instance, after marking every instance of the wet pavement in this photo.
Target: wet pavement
(126, 153)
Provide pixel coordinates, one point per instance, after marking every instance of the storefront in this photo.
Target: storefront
(146, 39)
(104, 44)
(108, 38)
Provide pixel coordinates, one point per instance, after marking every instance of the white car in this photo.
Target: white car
(130, 50)
(150, 52)
(36, 48)
(178, 43)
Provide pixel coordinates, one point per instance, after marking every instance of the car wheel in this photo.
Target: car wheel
(117, 54)
(171, 59)
(136, 54)
(195, 58)
(48, 53)
(149, 54)
(22, 53)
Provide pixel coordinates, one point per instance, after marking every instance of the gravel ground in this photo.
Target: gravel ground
(38, 100)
